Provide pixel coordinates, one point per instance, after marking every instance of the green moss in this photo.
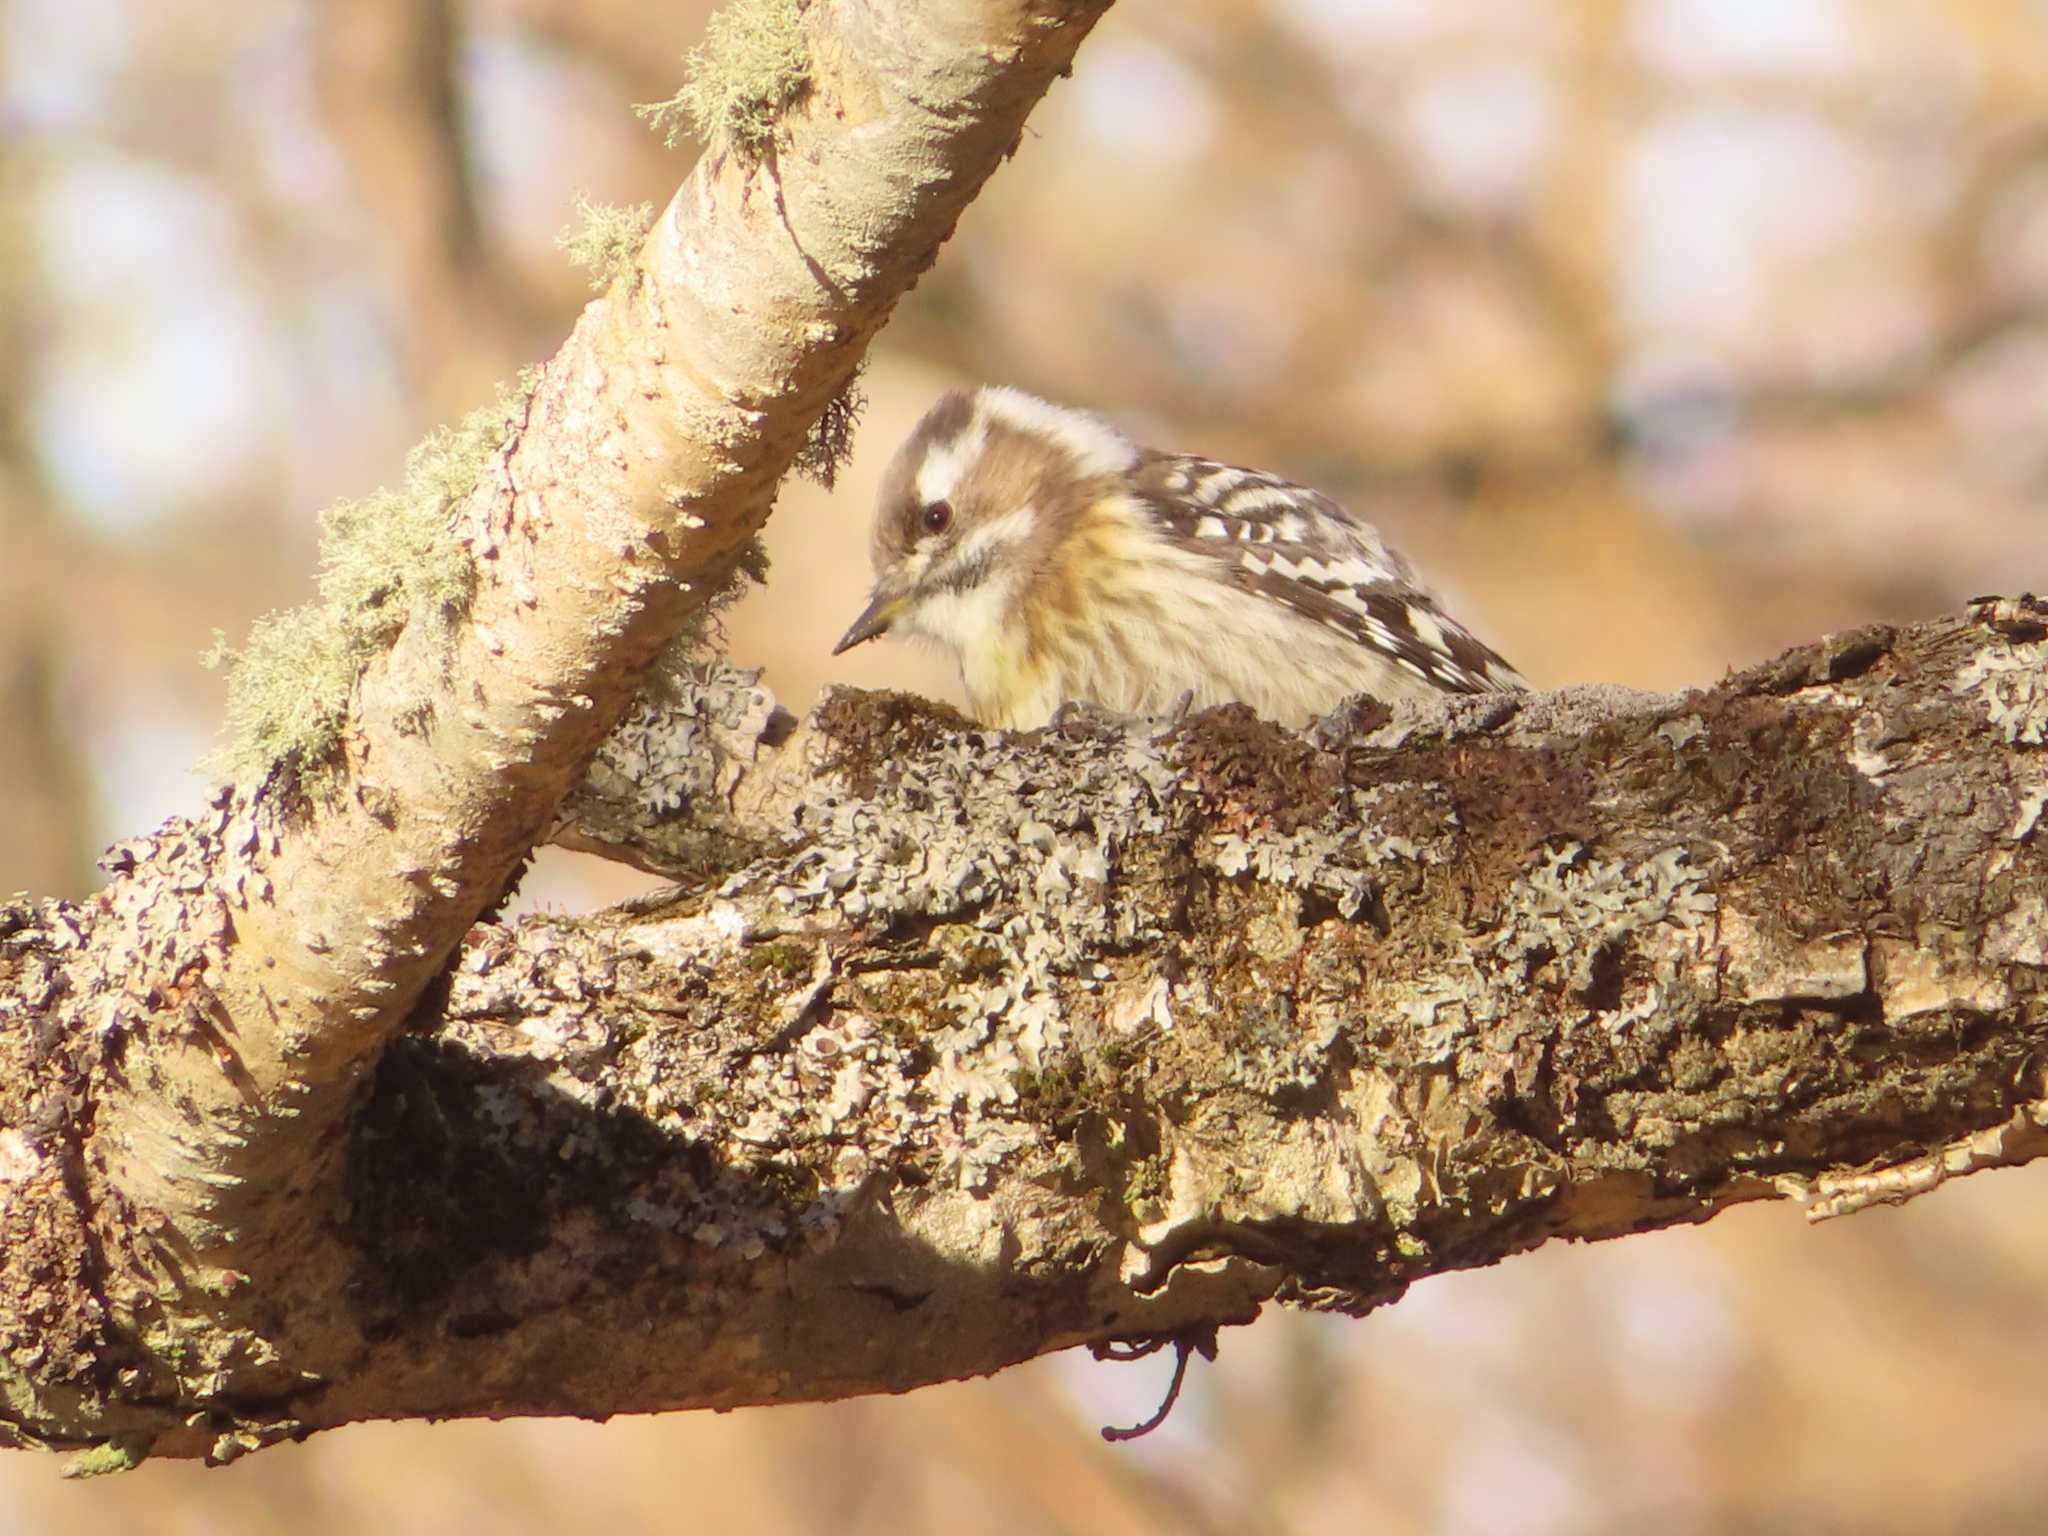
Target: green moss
(1061, 1092)
(792, 1185)
(752, 65)
(387, 560)
(606, 239)
(903, 1032)
(792, 962)
(1145, 1179)
(968, 954)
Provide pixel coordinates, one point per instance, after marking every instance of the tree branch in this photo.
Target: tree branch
(962, 1047)
(209, 1029)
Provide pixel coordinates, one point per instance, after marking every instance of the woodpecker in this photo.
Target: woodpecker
(1059, 560)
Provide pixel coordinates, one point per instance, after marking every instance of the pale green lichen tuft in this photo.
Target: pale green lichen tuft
(606, 239)
(830, 440)
(751, 65)
(387, 560)
(288, 690)
(119, 1453)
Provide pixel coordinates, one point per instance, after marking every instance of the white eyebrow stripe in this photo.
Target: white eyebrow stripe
(946, 464)
(1098, 448)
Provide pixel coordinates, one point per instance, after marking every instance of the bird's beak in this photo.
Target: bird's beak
(874, 619)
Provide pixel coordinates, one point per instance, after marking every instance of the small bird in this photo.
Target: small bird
(1059, 560)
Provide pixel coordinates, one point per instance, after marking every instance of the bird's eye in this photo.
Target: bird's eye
(938, 517)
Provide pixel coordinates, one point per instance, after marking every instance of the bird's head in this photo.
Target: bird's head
(973, 506)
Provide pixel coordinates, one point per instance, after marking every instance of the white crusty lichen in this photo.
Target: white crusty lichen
(685, 740)
(954, 830)
(1027, 861)
(1014, 862)
(1336, 859)
(1013, 858)
(2012, 682)
(769, 1118)
(1276, 1052)
(2033, 802)
(1573, 909)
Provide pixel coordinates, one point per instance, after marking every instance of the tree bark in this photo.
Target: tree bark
(959, 1047)
(176, 1162)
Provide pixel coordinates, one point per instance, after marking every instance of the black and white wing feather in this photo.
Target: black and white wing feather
(1296, 546)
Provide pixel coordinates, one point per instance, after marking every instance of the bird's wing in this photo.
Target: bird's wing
(1297, 546)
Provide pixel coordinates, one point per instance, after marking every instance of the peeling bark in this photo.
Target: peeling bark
(959, 1047)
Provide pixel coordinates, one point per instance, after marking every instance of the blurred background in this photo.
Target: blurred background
(1664, 333)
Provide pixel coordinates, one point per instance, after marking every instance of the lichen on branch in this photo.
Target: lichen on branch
(751, 65)
(605, 239)
(960, 1046)
(830, 440)
(387, 560)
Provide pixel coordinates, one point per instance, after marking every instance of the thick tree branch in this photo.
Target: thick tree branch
(230, 991)
(247, 975)
(962, 1047)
